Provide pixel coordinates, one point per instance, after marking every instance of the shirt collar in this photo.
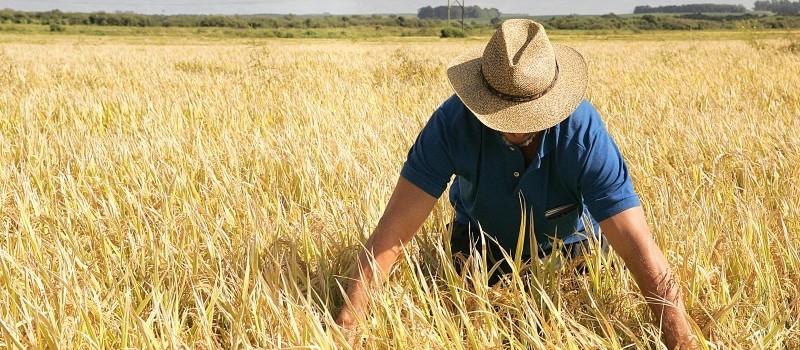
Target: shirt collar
(547, 145)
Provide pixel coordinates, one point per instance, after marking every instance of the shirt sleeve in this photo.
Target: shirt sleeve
(429, 163)
(604, 181)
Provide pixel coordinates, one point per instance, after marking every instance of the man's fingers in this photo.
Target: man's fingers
(351, 334)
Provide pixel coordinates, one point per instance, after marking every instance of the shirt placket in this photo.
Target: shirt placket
(516, 170)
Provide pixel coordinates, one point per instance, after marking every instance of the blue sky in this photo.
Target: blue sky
(338, 6)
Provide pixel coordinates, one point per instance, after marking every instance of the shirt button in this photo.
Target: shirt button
(516, 174)
(511, 148)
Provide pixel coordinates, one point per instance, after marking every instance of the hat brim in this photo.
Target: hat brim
(520, 117)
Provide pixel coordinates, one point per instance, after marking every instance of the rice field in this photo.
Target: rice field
(214, 194)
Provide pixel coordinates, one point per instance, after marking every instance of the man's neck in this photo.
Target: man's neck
(529, 151)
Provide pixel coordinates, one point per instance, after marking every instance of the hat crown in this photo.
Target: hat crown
(519, 59)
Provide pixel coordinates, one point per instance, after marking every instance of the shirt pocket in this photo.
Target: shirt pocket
(562, 221)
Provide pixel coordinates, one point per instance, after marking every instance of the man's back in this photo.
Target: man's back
(576, 169)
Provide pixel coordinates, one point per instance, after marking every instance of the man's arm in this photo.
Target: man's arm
(407, 209)
(628, 234)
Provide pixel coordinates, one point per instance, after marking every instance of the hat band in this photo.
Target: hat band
(519, 98)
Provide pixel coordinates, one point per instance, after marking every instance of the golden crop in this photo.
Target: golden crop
(213, 194)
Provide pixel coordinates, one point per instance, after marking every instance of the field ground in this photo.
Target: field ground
(169, 192)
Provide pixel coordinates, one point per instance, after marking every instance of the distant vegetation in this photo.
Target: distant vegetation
(783, 7)
(440, 12)
(690, 8)
(673, 22)
(129, 19)
(328, 26)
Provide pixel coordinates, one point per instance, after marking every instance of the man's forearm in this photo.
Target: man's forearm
(663, 295)
(364, 276)
(406, 211)
(662, 292)
(628, 234)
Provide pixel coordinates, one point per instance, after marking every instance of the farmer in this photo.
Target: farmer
(526, 149)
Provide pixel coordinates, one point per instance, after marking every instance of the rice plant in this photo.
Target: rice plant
(212, 194)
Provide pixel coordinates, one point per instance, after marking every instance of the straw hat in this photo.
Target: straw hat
(520, 82)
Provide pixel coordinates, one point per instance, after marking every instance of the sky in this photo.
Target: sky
(549, 7)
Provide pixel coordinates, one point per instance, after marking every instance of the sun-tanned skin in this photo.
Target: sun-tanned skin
(627, 232)
(518, 138)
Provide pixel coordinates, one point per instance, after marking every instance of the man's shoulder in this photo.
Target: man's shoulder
(454, 116)
(583, 122)
(456, 111)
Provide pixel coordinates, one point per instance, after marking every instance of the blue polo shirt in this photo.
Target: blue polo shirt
(577, 176)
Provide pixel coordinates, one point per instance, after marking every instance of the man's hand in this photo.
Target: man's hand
(349, 327)
(347, 320)
(628, 234)
(407, 209)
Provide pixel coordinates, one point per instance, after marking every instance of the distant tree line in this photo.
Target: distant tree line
(690, 8)
(129, 19)
(672, 22)
(59, 21)
(440, 12)
(783, 7)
